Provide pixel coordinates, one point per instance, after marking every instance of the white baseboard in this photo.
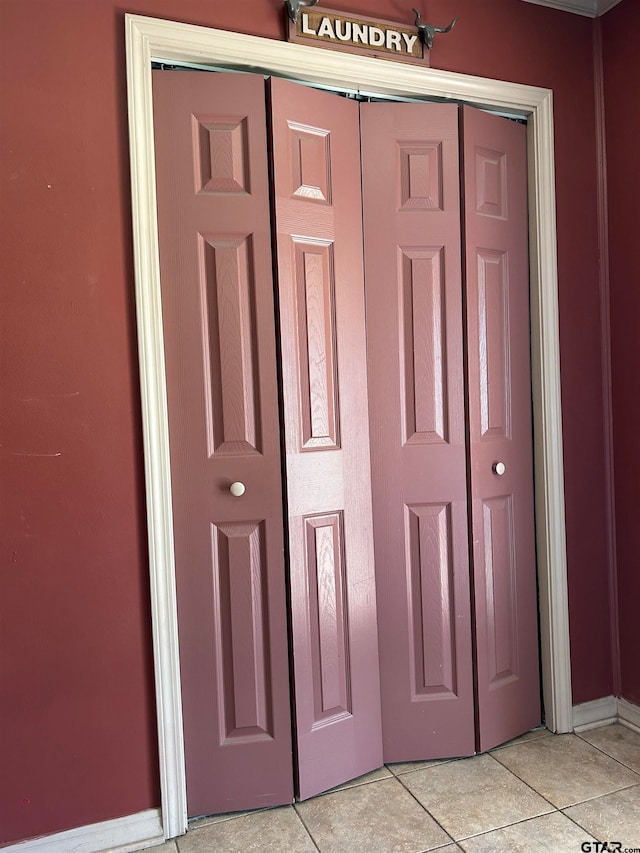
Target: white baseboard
(629, 714)
(603, 712)
(123, 835)
(591, 715)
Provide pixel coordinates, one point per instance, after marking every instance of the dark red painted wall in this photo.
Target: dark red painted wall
(78, 740)
(620, 31)
(78, 714)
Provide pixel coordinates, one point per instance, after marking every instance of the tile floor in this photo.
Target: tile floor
(540, 792)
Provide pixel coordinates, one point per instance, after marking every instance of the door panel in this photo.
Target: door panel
(502, 508)
(415, 367)
(218, 318)
(321, 298)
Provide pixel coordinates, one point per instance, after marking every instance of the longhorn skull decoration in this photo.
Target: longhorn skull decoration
(428, 31)
(294, 6)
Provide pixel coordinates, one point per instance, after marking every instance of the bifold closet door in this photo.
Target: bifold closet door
(436, 481)
(224, 427)
(500, 432)
(435, 489)
(318, 222)
(411, 196)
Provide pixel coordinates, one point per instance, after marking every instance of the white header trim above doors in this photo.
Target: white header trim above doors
(153, 39)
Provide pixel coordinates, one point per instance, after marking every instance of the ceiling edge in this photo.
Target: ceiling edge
(605, 5)
(587, 8)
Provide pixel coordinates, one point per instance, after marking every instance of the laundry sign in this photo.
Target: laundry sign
(372, 36)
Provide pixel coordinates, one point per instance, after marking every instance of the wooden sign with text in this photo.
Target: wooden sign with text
(370, 36)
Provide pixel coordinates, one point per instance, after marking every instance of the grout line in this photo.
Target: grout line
(553, 808)
(507, 825)
(446, 843)
(306, 828)
(441, 847)
(348, 787)
(576, 822)
(543, 732)
(438, 763)
(524, 782)
(524, 820)
(588, 800)
(604, 752)
(600, 796)
(203, 821)
(353, 783)
(424, 808)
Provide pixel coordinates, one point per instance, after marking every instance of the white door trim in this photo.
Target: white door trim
(166, 41)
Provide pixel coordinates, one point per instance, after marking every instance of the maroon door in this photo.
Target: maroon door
(502, 507)
(420, 469)
(220, 350)
(318, 221)
(415, 364)
(218, 318)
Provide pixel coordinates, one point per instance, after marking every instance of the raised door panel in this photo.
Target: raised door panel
(430, 592)
(502, 507)
(218, 320)
(244, 695)
(316, 343)
(326, 442)
(424, 383)
(417, 420)
(229, 337)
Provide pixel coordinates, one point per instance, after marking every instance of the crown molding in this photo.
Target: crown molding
(587, 8)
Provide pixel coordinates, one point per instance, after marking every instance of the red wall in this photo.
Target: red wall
(78, 730)
(620, 30)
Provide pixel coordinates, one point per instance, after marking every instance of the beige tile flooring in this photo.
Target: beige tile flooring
(540, 792)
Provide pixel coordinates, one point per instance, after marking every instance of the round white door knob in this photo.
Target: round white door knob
(237, 489)
(499, 468)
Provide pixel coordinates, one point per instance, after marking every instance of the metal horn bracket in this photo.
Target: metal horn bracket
(293, 7)
(428, 31)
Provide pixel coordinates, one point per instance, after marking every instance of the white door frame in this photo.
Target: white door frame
(150, 39)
